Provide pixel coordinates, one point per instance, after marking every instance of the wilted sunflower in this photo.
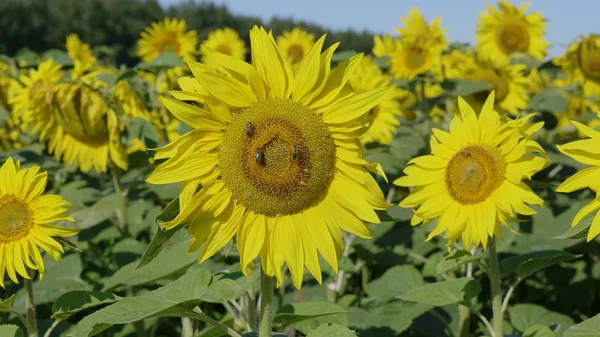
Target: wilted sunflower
(26, 218)
(81, 54)
(472, 181)
(273, 158)
(169, 35)
(507, 31)
(295, 44)
(225, 41)
(508, 81)
(581, 63)
(384, 116)
(585, 151)
(419, 31)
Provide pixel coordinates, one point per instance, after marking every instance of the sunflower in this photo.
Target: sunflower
(9, 135)
(454, 61)
(419, 31)
(411, 59)
(26, 218)
(272, 159)
(581, 63)
(472, 181)
(384, 116)
(577, 106)
(504, 32)
(384, 45)
(81, 54)
(295, 44)
(169, 35)
(225, 41)
(508, 81)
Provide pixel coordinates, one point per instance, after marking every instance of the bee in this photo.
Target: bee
(259, 157)
(294, 152)
(249, 129)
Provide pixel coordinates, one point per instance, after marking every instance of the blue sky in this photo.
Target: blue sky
(566, 18)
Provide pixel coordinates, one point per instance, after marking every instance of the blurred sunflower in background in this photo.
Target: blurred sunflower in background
(383, 116)
(26, 221)
(581, 63)
(169, 35)
(472, 180)
(272, 159)
(419, 31)
(384, 46)
(295, 44)
(508, 30)
(225, 41)
(81, 54)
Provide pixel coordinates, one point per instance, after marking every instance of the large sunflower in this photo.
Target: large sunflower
(26, 218)
(384, 116)
(507, 31)
(225, 41)
(581, 63)
(472, 181)
(273, 158)
(295, 44)
(585, 151)
(169, 35)
(508, 81)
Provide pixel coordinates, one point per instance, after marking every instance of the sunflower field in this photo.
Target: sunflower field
(291, 187)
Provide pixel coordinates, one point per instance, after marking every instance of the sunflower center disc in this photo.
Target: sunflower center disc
(169, 44)
(277, 157)
(513, 37)
(296, 53)
(415, 58)
(474, 173)
(16, 218)
(224, 49)
(500, 85)
(589, 58)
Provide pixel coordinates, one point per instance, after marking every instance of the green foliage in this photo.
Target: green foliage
(588, 328)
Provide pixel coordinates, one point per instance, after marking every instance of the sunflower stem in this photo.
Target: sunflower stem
(494, 273)
(267, 288)
(122, 211)
(187, 327)
(30, 308)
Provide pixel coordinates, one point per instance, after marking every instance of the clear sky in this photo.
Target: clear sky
(566, 18)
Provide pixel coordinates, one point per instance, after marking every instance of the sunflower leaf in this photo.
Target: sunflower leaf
(525, 316)
(578, 232)
(10, 330)
(539, 331)
(6, 305)
(79, 300)
(443, 293)
(528, 264)
(464, 87)
(331, 330)
(297, 312)
(588, 328)
(455, 259)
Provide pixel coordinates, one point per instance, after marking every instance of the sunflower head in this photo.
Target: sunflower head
(295, 44)
(81, 54)
(384, 45)
(508, 30)
(581, 63)
(26, 221)
(472, 180)
(272, 157)
(225, 41)
(420, 32)
(411, 59)
(169, 35)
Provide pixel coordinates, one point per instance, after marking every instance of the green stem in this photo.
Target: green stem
(30, 308)
(203, 317)
(187, 327)
(140, 329)
(122, 211)
(252, 311)
(494, 273)
(464, 323)
(267, 288)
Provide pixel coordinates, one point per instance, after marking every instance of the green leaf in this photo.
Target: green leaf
(342, 56)
(538, 331)
(140, 128)
(528, 264)
(172, 259)
(3, 114)
(455, 259)
(397, 316)
(102, 210)
(163, 61)
(439, 293)
(464, 87)
(76, 301)
(255, 334)
(550, 100)
(297, 312)
(524, 316)
(6, 305)
(331, 330)
(395, 281)
(162, 235)
(176, 299)
(578, 232)
(9, 330)
(588, 328)
(126, 75)
(66, 244)
(59, 56)
(228, 287)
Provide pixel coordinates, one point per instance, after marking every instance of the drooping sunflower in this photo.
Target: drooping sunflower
(26, 218)
(504, 32)
(508, 81)
(472, 181)
(419, 31)
(585, 151)
(225, 41)
(169, 35)
(276, 155)
(384, 116)
(295, 44)
(81, 54)
(581, 63)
